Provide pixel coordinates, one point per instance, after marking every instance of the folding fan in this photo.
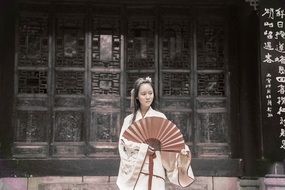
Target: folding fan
(159, 133)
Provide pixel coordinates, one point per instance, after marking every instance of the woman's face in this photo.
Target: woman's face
(145, 95)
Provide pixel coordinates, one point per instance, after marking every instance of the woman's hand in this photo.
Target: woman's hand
(185, 152)
(184, 157)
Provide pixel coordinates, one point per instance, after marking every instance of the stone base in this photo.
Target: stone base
(109, 183)
(274, 183)
(251, 184)
(13, 184)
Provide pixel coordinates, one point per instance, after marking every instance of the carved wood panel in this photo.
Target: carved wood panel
(33, 41)
(31, 126)
(70, 42)
(105, 126)
(106, 42)
(106, 84)
(211, 84)
(32, 81)
(176, 84)
(69, 82)
(176, 43)
(211, 45)
(68, 126)
(141, 43)
(212, 128)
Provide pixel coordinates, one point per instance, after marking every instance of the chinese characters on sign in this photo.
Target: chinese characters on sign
(268, 95)
(273, 68)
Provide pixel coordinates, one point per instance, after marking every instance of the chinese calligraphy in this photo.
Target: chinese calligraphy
(274, 55)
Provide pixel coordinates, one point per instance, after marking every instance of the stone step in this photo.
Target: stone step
(109, 183)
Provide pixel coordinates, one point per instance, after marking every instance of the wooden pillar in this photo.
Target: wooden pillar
(249, 89)
(8, 12)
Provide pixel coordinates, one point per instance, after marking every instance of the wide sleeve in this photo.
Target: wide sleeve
(132, 159)
(178, 168)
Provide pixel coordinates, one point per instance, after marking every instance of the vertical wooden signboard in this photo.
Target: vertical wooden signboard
(272, 60)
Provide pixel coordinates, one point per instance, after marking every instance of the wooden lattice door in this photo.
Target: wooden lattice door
(176, 73)
(68, 86)
(211, 89)
(105, 81)
(32, 102)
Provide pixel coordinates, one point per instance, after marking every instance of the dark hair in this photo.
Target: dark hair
(135, 93)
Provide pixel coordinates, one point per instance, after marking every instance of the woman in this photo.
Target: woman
(134, 171)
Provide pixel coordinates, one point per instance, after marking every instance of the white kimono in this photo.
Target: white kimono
(134, 169)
